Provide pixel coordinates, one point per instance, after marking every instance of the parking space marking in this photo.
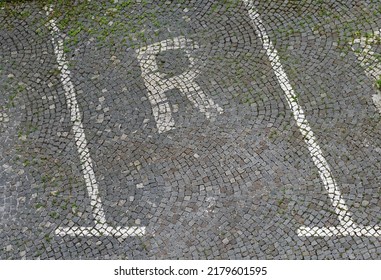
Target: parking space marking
(347, 225)
(101, 228)
(157, 84)
(369, 62)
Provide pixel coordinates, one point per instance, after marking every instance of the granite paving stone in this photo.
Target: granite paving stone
(163, 130)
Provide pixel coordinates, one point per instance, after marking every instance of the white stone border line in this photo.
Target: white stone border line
(101, 227)
(369, 62)
(347, 225)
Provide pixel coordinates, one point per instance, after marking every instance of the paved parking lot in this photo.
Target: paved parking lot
(185, 129)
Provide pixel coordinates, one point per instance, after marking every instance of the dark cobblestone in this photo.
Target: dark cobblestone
(188, 130)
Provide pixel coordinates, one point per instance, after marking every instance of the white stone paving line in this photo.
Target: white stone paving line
(369, 62)
(157, 84)
(101, 228)
(347, 225)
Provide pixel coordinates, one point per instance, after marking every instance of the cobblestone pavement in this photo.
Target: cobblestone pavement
(190, 129)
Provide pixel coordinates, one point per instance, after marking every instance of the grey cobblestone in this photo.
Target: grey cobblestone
(188, 129)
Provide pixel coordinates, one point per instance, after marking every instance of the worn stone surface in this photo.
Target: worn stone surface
(211, 162)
